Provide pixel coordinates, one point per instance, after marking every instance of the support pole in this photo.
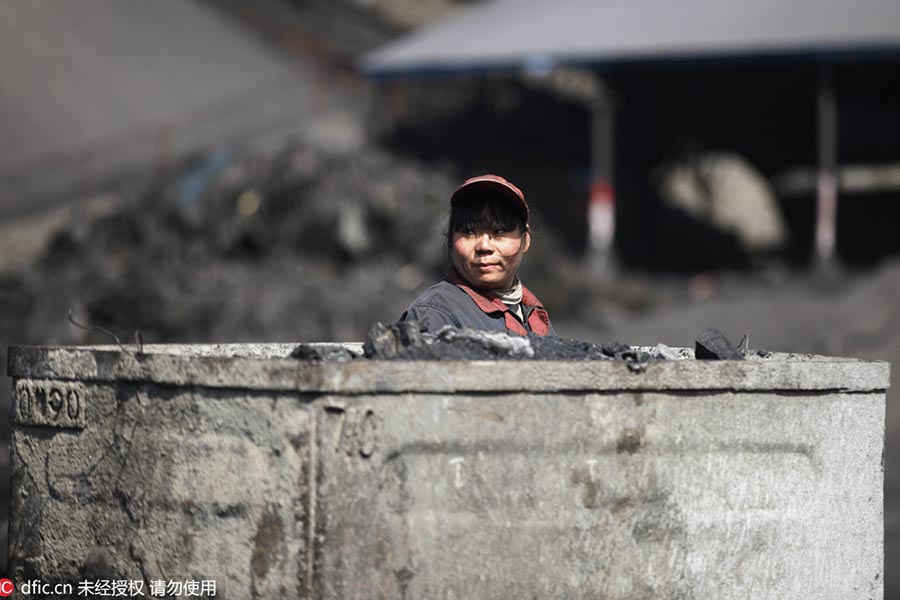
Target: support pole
(602, 204)
(826, 134)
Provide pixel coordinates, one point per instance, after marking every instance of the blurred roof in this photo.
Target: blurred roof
(536, 34)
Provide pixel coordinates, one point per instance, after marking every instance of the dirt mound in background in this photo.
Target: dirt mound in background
(276, 247)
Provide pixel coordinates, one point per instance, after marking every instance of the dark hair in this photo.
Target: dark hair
(483, 211)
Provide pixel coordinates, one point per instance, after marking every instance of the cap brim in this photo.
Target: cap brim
(491, 186)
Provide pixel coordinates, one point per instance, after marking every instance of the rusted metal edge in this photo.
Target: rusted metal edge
(780, 372)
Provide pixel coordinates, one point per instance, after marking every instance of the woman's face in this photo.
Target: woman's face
(489, 258)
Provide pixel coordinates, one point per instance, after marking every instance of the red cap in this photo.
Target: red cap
(491, 183)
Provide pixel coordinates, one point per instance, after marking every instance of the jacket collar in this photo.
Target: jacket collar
(536, 316)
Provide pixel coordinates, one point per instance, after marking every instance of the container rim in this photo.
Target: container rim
(268, 367)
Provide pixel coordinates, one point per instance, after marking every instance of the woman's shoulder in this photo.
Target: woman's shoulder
(439, 293)
(437, 306)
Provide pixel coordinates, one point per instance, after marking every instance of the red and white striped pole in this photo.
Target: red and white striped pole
(602, 216)
(827, 179)
(602, 201)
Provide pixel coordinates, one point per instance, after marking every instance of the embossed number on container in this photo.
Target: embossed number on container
(24, 399)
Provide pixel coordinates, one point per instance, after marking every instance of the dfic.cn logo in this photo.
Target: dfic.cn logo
(6, 587)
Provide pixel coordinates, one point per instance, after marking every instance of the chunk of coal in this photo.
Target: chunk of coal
(555, 348)
(485, 344)
(663, 352)
(406, 340)
(327, 352)
(744, 346)
(748, 352)
(380, 341)
(393, 341)
(713, 345)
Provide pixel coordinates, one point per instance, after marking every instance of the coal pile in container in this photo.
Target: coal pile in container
(407, 340)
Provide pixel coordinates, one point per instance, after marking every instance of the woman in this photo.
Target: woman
(487, 236)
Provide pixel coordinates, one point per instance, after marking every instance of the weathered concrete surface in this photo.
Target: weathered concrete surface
(163, 482)
(367, 479)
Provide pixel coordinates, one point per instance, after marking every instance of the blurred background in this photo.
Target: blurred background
(279, 170)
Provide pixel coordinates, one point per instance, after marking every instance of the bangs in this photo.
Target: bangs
(479, 212)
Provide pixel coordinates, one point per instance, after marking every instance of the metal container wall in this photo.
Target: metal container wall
(491, 480)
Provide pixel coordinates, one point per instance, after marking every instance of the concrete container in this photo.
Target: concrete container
(436, 480)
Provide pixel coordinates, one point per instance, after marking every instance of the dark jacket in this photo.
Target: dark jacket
(452, 302)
